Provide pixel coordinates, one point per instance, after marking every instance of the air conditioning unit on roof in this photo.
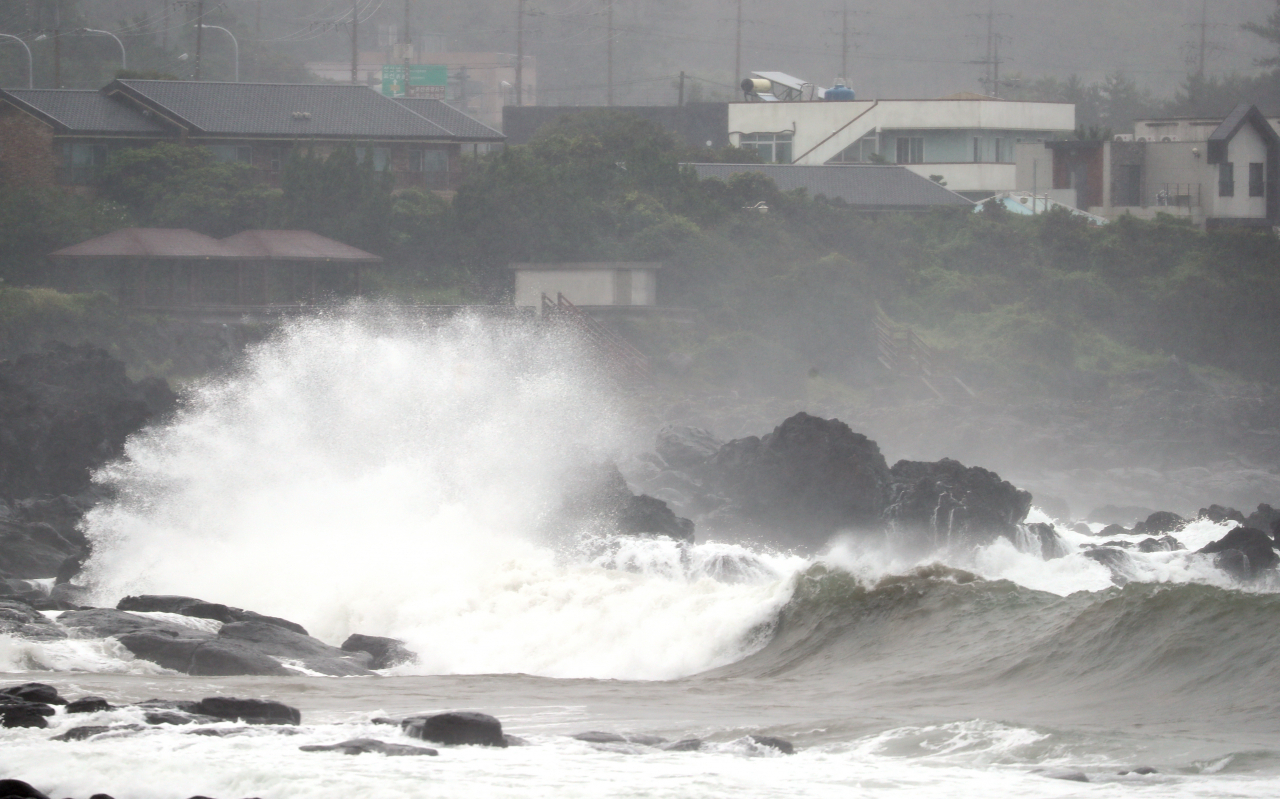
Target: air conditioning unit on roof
(1123, 137)
(1169, 138)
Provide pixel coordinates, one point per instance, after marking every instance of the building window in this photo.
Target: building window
(977, 149)
(80, 162)
(428, 161)
(275, 158)
(1226, 179)
(860, 152)
(381, 157)
(1257, 180)
(774, 148)
(227, 153)
(910, 150)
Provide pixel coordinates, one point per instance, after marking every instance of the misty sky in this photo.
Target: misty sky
(909, 48)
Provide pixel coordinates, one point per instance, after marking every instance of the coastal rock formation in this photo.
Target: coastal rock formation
(198, 608)
(386, 652)
(809, 478)
(1244, 552)
(946, 503)
(598, 499)
(456, 729)
(360, 746)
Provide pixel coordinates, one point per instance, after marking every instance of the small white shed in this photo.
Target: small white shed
(597, 283)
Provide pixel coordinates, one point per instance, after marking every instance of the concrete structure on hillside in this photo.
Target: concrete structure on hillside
(969, 142)
(62, 137)
(1224, 176)
(588, 285)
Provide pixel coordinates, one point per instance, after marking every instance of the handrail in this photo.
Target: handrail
(632, 361)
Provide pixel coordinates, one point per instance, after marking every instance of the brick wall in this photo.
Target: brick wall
(27, 154)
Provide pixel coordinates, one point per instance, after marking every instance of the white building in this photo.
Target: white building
(588, 285)
(968, 139)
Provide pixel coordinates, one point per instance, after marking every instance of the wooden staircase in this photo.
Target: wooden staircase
(904, 353)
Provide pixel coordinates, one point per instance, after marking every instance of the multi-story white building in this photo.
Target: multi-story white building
(968, 139)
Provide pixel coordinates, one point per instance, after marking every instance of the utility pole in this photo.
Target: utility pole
(355, 43)
(844, 42)
(681, 103)
(992, 61)
(1204, 38)
(199, 32)
(519, 52)
(406, 44)
(609, 51)
(737, 48)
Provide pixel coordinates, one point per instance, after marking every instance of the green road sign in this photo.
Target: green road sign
(419, 75)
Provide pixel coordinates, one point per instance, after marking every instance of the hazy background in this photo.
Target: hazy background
(911, 48)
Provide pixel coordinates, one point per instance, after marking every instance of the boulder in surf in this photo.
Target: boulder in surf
(456, 729)
(249, 711)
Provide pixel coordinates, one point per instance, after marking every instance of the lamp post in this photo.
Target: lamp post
(124, 58)
(234, 44)
(30, 77)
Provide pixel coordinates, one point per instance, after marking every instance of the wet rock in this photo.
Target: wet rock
(514, 740)
(66, 411)
(1219, 514)
(597, 498)
(1119, 514)
(1070, 776)
(646, 515)
(81, 733)
(685, 447)
(201, 655)
(948, 503)
(598, 737)
(455, 729)
(1112, 529)
(685, 745)
(35, 692)
(386, 652)
(807, 479)
(32, 551)
(782, 745)
(200, 609)
(1255, 553)
(1159, 523)
(175, 718)
(1165, 543)
(276, 641)
(88, 704)
(17, 789)
(1081, 528)
(1050, 545)
(1140, 770)
(106, 623)
(1264, 518)
(25, 714)
(361, 746)
(1116, 560)
(249, 711)
(24, 621)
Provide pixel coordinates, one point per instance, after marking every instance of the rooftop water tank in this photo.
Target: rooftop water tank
(839, 94)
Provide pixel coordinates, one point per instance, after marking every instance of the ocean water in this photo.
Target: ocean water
(369, 474)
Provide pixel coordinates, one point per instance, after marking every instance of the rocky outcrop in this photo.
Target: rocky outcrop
(248, 711)
(597, 499)
(1244, 552)
(386, 652)
(66, 411)
(946, 503)
(1265, 518)
(361, 746)
(456, 729)
(198, 608)
(1159, 523)
(24, 621)
(807, 479)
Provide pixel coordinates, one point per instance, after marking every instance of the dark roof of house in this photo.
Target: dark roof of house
(251, 245)
(1224, 133)
(451, 119)
(277, 109)
(867, 185)
(82, 111)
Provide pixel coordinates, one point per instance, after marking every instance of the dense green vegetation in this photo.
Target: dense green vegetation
(1047, 303)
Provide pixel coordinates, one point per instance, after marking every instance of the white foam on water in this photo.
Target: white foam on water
(376, 475)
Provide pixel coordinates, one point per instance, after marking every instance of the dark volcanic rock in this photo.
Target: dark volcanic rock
(201, 655)
(35, 692)
(1116, 560)
(17, 789)
(360, 746)
(25, 714)
(250, 711)
(81, 733)
(33, 550)
(946, 502)
(1159, 523)
(597, 497)
(88, 704)
(1112, 529)
(65, 412)
(810, 477)
(1264, 518)
(1218, 514)
(456, 729)
(599, 737)
(198, 608)
(1051, 545)
(1255, 553)
(1165, 543)
(782, 745)
(386, 652)
(270, 639)
(104, 623)
(686, 447)
(24, 621)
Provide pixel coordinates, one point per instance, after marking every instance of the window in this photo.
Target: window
(774, 148)
(225, 153)
(999, 150)
(381, 157)
(428, 161)
(1257, 180)
(1226, 179)
(860, 152)
(275, 158)
(977, 149)
(910, 150)
(80, 162)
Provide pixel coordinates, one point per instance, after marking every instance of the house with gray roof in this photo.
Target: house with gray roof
(60, 137)
(865, 187)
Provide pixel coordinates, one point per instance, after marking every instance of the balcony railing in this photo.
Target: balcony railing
(1177, 195)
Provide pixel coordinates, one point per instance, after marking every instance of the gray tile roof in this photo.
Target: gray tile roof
(82, 111)
(866, 185)
(451, 119)
(274, 109)
(1224, 133)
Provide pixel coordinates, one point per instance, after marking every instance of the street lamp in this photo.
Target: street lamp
(234, 44)
(124, 59)
(30, 78)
